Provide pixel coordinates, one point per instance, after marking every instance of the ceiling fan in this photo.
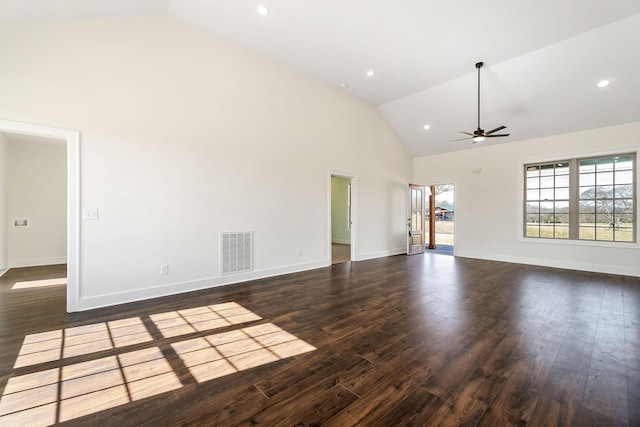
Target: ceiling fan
(479, 134)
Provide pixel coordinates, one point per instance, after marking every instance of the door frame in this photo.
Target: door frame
(455, 203)
(72, 139)
(354, 213)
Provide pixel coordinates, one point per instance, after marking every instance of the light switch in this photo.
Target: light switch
(90, 214)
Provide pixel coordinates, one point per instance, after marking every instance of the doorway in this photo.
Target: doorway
(72, 141)
(440, 214)
(341, 218)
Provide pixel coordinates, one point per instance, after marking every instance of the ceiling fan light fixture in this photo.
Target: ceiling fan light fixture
(603, 83)
(478, 138)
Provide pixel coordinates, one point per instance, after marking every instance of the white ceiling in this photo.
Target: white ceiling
(542, 58)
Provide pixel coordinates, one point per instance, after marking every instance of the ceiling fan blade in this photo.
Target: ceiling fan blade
(467, 133)
(461, 139)
(500, 134)
(495, 130)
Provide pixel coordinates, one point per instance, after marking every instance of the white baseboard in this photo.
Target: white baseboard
(89, 303)
(567, 265)
(35, 262)
(2, 271)
(341, 242)
(381, 254)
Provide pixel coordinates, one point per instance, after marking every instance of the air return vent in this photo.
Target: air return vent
(236, 252)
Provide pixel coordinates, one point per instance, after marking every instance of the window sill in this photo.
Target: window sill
(584, 243)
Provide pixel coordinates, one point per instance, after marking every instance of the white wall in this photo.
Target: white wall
(340, 232)
(184, 135)
(489, 202)
(37, 190)
(4, 221)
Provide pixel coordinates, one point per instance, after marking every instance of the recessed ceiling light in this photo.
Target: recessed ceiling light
(427, 127)
(603, 83)
(262, 9)
(370, 73)
(344, 85)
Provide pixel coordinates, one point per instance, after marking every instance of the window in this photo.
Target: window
(581, 199)
(548, 200)
(606, 199)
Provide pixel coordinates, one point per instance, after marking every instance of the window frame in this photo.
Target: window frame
(555, 165)
(574, 200)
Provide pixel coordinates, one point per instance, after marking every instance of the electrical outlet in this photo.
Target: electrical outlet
(164, 269)
(91, 214)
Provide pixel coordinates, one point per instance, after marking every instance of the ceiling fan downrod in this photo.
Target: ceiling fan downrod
(479, 134)
(478, 66)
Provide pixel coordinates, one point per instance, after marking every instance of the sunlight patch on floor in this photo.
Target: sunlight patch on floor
(39, 283)
(222, 354)
(84, 388)
(181, 322)
(81, 340)
(65, 393)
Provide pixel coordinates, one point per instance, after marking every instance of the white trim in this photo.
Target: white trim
(634, 149)
(2, 272)
(341, 242)
(89, 303)
(587, 243)
(354, 213)
(382, 254)
(455, 215)
(72, 139)
(35, 262)
(569, 265)
(580, 155)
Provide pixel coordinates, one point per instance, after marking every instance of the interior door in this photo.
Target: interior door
(415, 224)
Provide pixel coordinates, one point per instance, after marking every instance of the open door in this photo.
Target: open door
(415, 224)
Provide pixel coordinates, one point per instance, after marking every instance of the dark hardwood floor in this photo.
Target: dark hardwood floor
(424, 340)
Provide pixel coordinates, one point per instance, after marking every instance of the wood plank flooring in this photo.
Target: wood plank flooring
(428, 340)
(340, 253)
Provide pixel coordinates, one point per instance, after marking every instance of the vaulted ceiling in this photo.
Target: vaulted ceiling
(542, 58)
